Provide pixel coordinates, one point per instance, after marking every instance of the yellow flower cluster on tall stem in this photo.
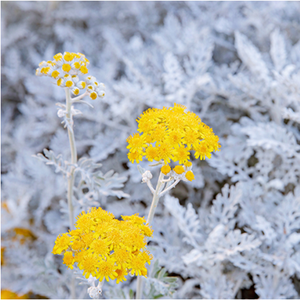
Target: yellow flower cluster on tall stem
(166, 135)
(105, 247)
(66, 69)
(170, 134)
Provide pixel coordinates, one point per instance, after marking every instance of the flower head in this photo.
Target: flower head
(66, 68)
(165, 169)
(171, 134)
(105, 247)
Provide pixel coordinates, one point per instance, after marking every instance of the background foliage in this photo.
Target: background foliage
(235, 230)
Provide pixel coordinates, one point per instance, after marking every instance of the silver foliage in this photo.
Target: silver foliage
(232, 232)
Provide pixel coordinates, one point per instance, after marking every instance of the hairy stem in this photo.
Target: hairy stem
(155, 199)
(73, 157)
(170, 187)
(73, 287)
(71, 175)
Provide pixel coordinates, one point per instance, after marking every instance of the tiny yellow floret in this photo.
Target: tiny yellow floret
(188, 164)
(68, 259)
(76, 65)
(81, 84)
(179, 170)
(58, 57)
(55, 74)
(93, 95)
(83, 70)
(68, 56)
(165, 169)
(66, 67)
(76, 91)
(60, 81)
(189, 175)
(69, 83)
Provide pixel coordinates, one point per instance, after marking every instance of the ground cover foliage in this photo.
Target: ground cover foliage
(232, 232)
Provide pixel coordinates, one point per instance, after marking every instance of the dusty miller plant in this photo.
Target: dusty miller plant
(234, 64)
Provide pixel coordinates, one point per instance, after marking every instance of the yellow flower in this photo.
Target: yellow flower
(66, 67)
(75, 91)
(146, 230)
(175, 137)
(89, 264)
(188, 164)
(58, 57)
(189, 175)
(62, 243)
(77, 245)
(138, 265)
(68, 259)
(190, 137)
(182, 155)
(107, 269)
(138, 156)
(68, 56)
(179, 169)
(100, 246)
(170, 134)
(165, 152)
(74, 64)
(45, 70)
(69, 83)
(80, 255)
(60, 82)
(121, 273)
(136, 142)
(165, 169)
(147, 256)
(121, 256)
(87, 239)
(135, 219)
(106, 247)
(114, 238)
(151, 153)
(55, 74)
(134, 239)
(159, 133)
(81, 84)
(83, 70)
(93, 95)
(100, 215)
(85, 222)
(202, 150)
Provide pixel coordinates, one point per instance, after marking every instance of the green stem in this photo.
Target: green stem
(71, 175)
(155, 199)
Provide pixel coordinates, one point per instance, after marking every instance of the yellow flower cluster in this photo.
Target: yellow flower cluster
(106, 247)
(65, 68)
(169, 134)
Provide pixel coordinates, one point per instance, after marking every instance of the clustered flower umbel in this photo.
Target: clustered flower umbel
(105, 247)
(170, 134)
(66, 68)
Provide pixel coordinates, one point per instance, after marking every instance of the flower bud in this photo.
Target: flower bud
(146, 176)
